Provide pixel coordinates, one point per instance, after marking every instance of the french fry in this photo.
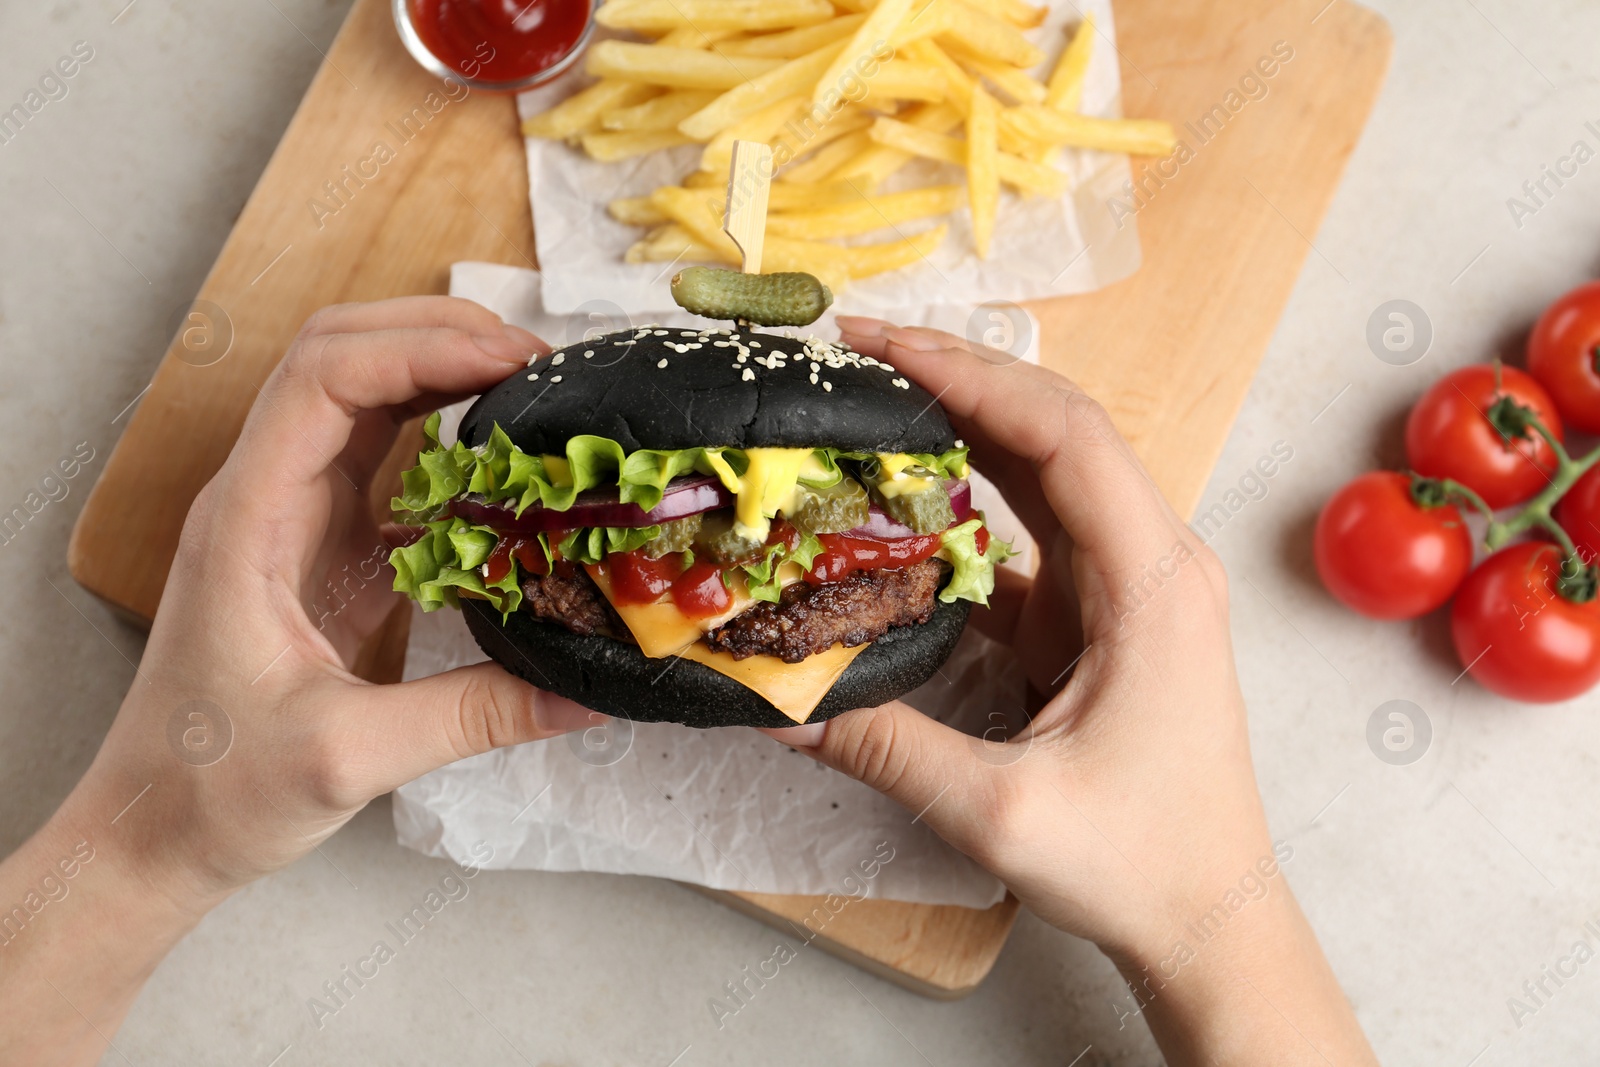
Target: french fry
(1014, 82)
(1136, 137)
(700, 212)
(821, 164)
(904, 80)
(608, 146)
(991, 37)
(846, 92)
(791, 44)
(802, 139)
(824, 262)
(1025, 175)
(662, 113)
(872, 167)
(1065, 91)
(668, 244)
(929, 20)
(656, 16)
(866, 260)
(1022, 15)
(983, 171)
(866, 45)
(958, 83)
(760, 127)
(797, 76)
(635, 211)
(695, 37)
(676, 68)
(582, 110)
(797, 196)
(868, 214)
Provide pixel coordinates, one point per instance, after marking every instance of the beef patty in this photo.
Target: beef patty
(807, 618)
(567, 595)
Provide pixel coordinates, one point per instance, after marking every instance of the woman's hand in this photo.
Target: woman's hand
(1127, 811)
(245, 739)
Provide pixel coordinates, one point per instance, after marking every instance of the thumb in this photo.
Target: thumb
(427, 723)
(928, 768)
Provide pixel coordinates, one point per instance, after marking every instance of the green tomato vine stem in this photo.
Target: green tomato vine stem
(1579, 578)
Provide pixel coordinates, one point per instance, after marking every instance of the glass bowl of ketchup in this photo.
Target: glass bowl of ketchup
(496, 46)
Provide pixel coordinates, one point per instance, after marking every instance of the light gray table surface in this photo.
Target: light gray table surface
(1438, 888)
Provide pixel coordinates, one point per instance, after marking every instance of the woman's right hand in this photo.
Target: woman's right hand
(1127, 811)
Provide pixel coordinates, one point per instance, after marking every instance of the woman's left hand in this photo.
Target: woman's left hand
(245, 739)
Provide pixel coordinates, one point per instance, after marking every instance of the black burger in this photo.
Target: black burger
(715, 527)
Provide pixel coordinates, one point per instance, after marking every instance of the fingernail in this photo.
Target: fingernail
(529, 341)
(558, 715)
(808, 736)
(861, 326)
(503, 347)
(910, 339)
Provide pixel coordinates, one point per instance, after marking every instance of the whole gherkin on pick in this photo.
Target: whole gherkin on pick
(785, 299)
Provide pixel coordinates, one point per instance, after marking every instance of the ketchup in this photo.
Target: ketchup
(638, 579)
(525, 550)
(499, 40)
(842, 555)
(698, 591)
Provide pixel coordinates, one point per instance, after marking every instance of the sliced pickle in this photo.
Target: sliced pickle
(926, 512)
(675, 536)
(717, 540)
(841, 506)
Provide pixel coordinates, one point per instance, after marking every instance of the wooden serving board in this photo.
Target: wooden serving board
(1170, 352)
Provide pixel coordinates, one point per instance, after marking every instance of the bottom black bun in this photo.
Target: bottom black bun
(614, 677)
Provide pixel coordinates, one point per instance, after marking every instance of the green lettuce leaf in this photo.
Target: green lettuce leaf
(594, 543)
(500, 471)
(762, 575)
(644, 474)
(973, 575)
(437, 569)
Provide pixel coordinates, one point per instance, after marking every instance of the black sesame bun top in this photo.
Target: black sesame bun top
(671, 388)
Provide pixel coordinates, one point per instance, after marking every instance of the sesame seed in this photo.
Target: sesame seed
(813, 377)
(589, 353)
(748, 375)
(533, 377)
(661, 333)
(827, 387)
(558, 359)
(815, 366)
(755, 344)
(662, 365)
(555, 379)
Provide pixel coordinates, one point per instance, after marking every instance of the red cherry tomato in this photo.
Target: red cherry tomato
(1579, 514)
(1448, 435)
(1388, 557)
(1564, 354)
(1520, 638)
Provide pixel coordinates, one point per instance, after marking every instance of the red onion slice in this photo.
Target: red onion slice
(880, 527)
(684, 496)
(689, 495)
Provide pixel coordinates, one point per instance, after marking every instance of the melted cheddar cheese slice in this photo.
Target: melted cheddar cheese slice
(793, 688)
